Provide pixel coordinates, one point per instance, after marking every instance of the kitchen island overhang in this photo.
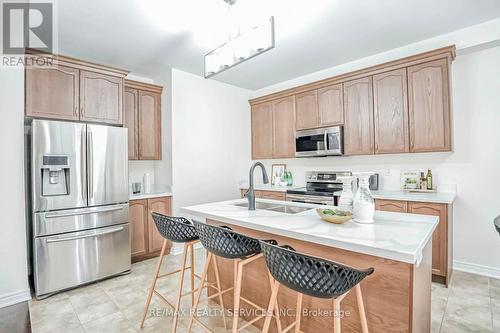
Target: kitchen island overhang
(397, 245)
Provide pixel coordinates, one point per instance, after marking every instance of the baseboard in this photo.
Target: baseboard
(476, 269)
(15, 297)
(179, 249)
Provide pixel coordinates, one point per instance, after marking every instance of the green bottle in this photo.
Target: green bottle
(289, 180)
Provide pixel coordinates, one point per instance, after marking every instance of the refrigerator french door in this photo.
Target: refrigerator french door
(79, 178)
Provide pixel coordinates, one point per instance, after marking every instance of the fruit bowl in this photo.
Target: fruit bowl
(334, 217)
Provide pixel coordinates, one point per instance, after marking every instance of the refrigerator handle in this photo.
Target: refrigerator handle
(90, 157)
(83, 167)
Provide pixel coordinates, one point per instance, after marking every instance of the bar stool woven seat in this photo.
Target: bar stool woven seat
(224, 242)
(178, 230)
(310, 275)
(175, 229)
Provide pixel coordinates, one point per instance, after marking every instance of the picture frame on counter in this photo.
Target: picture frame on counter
(277, 173)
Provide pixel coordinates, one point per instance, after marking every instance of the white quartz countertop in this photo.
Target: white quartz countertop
(395, 236)
(153, 194)
(437, 197)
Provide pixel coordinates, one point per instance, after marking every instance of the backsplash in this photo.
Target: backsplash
(389, 167)
(137, 169)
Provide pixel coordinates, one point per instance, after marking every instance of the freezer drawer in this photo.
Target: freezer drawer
(71, 220)
(71, 259)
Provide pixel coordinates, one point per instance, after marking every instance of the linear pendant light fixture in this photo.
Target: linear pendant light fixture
(248, 43)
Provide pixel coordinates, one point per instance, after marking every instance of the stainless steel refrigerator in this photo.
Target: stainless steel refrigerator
(79, 201)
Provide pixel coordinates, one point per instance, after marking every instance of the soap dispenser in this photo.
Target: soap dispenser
(364, 205)
(346, 199)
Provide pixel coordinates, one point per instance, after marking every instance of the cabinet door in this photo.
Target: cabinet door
(331, 105)
(52, 92)
(262, 131)
(306, 108)
(138, 217)
(429, 107)
(101, 98)
(391, 112)
(130, 121)
(162, 206)
(358, 108)
(273, 195)
(284, 127)
(440, 236)
(391, 205)
(149, 126)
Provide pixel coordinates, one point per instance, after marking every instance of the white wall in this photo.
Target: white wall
(473, 166)
(210, 138)
(14, 272)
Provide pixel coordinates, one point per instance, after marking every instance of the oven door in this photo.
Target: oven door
(310, 143)
(311, 199)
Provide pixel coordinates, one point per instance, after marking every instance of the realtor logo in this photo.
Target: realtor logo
(27, 25)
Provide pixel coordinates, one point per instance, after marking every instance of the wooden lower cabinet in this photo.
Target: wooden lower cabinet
(391, 206)
(146, 241)
(263, 194)
(441, 239)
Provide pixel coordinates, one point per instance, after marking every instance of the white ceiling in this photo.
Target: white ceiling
(147, 35)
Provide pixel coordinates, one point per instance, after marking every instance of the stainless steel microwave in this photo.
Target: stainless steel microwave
(319, 142)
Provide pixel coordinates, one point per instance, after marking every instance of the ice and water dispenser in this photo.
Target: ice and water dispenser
(55, 175)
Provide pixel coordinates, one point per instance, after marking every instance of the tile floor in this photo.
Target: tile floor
(471, 304)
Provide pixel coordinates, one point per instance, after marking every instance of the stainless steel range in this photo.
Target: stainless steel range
(320, 188)
(78, 176)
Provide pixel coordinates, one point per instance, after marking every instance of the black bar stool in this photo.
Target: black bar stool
(312, 276)
(225, 243)
(178, 230)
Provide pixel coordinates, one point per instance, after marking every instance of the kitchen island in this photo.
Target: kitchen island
(398, 246)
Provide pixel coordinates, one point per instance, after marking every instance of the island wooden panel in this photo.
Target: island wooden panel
(396, 296)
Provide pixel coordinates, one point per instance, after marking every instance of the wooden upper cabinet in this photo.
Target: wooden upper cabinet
(331, 105)
(429, 106)
(138, 217)
(440, 237)
(306, 108)
(131, 121)
(52, 92)
(158, 205)
(391, 112)
(262, 131)
(101, 98)
(149, 125)
(358, 108)
(283, 127)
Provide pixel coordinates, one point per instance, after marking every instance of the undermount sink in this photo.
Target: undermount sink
(287, 209)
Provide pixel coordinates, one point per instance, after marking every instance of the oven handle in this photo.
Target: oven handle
(93, 234)
(310, 199)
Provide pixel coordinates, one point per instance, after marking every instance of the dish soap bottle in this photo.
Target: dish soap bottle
(364, 205)
(346, 199)
(289, 178)
(429, 179)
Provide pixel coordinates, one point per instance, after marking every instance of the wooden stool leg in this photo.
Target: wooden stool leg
(219, 289)
(274, 295)
(336, 315)
(361, 307)
(200, 290)
(191, 259)
(237, 295)
(298, 314)
(153, 284)
(276, 306)
(181, 284)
